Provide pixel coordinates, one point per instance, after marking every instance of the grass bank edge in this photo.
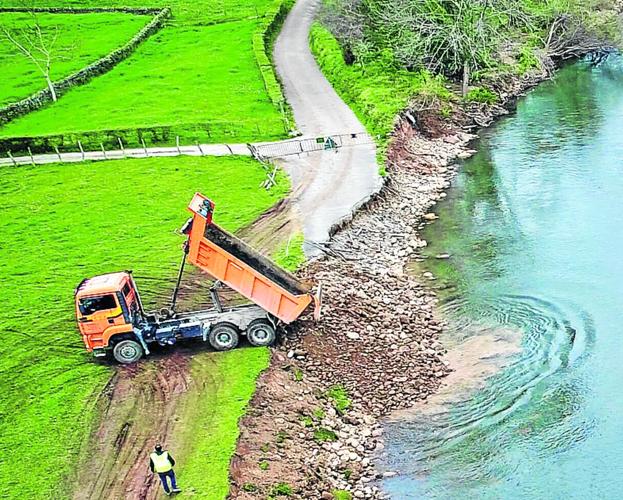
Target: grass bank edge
(209, 453)
(377, 92)
(263, 43)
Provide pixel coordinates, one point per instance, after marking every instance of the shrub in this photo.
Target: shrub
(527, 60)
(281, 437)
(307, 421)
(318, 413)
(250, 487)
(338, 395)
(482, 95)
(322, 435)
(281, 490)
(342, 495)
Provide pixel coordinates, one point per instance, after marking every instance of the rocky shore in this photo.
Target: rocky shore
(313, 424)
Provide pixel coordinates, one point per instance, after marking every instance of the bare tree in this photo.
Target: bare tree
(39, 46)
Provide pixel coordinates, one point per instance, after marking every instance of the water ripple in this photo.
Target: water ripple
(468, 432)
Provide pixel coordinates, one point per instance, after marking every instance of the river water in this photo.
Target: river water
(534, 226)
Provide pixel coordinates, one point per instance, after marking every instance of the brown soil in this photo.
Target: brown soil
(138, 410)
(272, 229)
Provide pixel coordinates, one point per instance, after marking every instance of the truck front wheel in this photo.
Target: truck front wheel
(261, 332)
(127, 351)
(224, 336)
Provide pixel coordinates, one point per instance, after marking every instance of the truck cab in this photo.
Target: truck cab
(107, 305)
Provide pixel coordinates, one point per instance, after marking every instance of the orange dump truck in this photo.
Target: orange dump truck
(111, 318)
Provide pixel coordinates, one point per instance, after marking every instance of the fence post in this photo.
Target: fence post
(32, 158)
(58, 153)
(286, 122)
(103, 151)
(81, 150)
(177, 144)
(12, 159)
(121, 145)
(144, 148)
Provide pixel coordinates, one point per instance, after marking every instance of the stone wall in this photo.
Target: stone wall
(268, 24)
(97, 68)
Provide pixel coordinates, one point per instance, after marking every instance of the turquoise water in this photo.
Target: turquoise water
(534, 225)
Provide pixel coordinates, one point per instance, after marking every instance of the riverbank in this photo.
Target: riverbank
(379, 336)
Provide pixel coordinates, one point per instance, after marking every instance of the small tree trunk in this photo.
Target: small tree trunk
(51, 87)
(465, 88)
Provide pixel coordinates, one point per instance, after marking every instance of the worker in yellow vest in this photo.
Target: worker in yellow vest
(161, 462)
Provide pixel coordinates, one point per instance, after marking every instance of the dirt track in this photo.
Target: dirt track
(139, 407)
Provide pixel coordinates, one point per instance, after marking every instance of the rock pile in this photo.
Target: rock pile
(377, 339)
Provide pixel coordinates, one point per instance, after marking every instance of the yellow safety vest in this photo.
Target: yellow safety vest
(161, 462)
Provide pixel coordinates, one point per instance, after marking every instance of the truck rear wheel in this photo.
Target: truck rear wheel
(261, 332)
(224, 336)
(127, 351)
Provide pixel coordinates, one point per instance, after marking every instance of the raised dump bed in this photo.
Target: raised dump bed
(234, 263)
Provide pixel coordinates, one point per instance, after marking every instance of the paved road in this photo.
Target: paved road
(327, 186)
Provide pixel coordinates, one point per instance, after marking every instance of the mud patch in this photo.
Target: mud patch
(138, 411)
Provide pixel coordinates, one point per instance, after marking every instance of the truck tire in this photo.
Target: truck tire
(261, 333)
(224, 336)
(127, 351)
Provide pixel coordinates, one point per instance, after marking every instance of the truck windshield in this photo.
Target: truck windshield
(90, 305)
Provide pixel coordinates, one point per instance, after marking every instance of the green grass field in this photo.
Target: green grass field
(198, 77)
(60, 223)
(210, 427)
(82, 39)
(193, 80)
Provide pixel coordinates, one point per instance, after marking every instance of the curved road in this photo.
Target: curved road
(327, 186)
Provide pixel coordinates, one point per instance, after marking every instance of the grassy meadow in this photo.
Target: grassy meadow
(60, 223)
(82, 39)
(192, 80)
(198, 77)
(208, 426)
